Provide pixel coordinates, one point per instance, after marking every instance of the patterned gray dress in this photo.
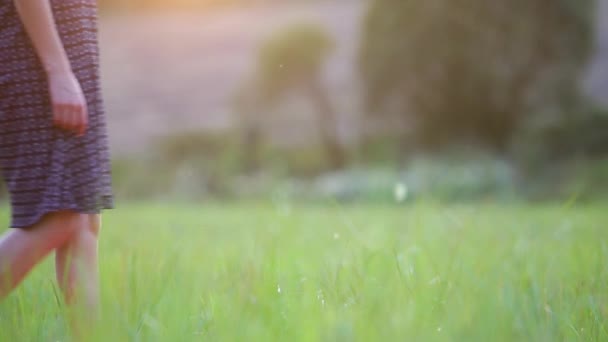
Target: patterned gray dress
(47, 169)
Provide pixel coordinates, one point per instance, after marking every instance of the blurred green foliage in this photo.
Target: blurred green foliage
(179, 168)
(473, 70)
(497, 75)
(553, 140)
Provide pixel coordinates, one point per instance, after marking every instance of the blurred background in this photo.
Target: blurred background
(357, 100)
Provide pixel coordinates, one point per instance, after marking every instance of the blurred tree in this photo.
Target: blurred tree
(472, 69)
(292, 60)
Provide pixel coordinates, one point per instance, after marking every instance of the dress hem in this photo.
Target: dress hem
(30, 222)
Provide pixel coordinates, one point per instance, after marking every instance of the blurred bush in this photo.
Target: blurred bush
(201, 167)
(547, 140)
(473, 70)
(560, 156)
(194, 165)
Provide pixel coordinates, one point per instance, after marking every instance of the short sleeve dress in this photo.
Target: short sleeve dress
(47, 169)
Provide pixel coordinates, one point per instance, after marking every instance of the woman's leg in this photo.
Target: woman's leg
(21, 250)
(77, 275)
(76, 265)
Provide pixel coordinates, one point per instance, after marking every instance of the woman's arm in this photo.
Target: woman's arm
(67, 98)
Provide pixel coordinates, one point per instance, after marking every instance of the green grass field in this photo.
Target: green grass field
(263, 272)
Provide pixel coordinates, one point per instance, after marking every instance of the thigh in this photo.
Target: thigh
(27, 144)
(26, 132)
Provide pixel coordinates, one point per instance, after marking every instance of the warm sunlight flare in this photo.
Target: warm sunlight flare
(303, 170)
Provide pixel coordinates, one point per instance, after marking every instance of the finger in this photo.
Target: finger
(57, 116)
(62, 116)
(86, 119)
(77, 117)
(82, 120)
(71, 118)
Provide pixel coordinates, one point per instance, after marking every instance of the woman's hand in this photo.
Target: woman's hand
(67, 99)
(68, 102)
